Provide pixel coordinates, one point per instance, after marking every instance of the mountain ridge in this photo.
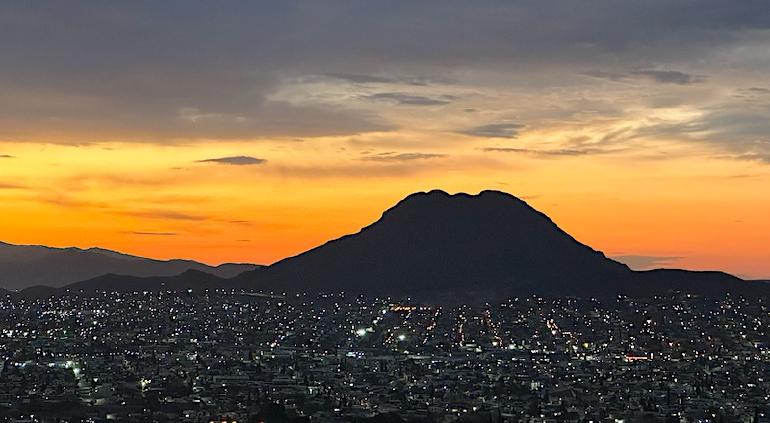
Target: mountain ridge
(437, 247)
(23, 266)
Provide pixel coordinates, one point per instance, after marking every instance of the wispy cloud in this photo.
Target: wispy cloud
(740, 134)
(660, 76)
(411, 99)
(556, 152)
(494, 130)
(143, 233)
(163, 214)
(358, 78)
(669, 76)
(235, 160)
(600, 74)
(11, 186)
(7, 156)
(401, 157)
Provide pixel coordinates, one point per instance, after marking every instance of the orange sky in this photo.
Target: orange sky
(258, 130)
(705, 213)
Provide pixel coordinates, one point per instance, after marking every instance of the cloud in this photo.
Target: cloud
(669, 76)
(494, 130)
(7, 156)
(411, 99)
(11, 186)
(556, 152)
(162, 214)
(152, 233)
(641, 262)
(740, 133)
(401, 157)
(115, 72)
(235, 160)
(376, 79)
(600, 74)
(654, 75)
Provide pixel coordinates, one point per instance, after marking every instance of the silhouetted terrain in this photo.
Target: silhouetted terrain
(190, 279)
(490, 245)
(440, 247)
(436, 243)
(23, 266)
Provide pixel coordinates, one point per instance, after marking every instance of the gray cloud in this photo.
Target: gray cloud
(670, 76)
(411, 99)
(742, 133)
(377, 79)
(600, 74)
(654, 75)
(494, 130)
(401, 157)
(158, 71)
(235, 160)
(7, 156)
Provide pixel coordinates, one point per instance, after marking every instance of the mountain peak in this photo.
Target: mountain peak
(441, 201)
(439, 242)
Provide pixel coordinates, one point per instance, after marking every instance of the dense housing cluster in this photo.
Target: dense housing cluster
(227, 356)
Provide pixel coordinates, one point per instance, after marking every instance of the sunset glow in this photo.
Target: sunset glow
(245, 151)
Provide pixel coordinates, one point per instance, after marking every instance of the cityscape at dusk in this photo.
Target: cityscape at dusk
(385, 211)
(253, 131)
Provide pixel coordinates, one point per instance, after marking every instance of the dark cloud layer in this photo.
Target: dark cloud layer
(161, 71)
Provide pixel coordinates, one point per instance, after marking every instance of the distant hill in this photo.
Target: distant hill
(438, 247)
(23, 266)
(189, 279)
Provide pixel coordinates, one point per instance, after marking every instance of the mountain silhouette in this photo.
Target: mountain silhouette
(492, 245)
(189, 279)
(449, 248)
(23, 266)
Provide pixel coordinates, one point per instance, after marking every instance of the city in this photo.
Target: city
(237, 356)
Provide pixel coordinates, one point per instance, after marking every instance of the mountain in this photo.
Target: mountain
(23, 266)
(439, 243)
(438, 247)
(492, 245)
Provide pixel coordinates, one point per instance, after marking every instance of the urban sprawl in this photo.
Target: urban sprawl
(223, 356)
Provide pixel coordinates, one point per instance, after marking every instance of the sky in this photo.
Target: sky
(237, 131)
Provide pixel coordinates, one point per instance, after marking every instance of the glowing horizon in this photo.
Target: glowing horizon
(257, 136)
